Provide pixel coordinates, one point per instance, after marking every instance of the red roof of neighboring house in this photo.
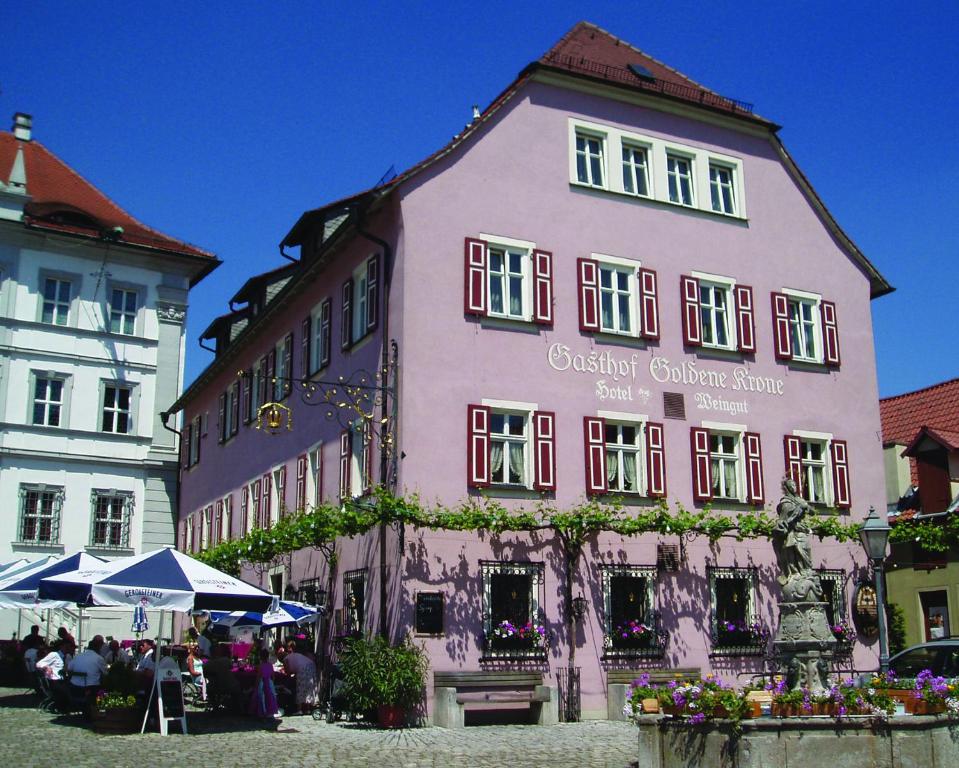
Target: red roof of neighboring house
(904, 415)
(62, 200)
(946, 438)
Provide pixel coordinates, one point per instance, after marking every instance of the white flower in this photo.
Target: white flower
(628, 709)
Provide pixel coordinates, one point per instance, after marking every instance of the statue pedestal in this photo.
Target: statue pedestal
(805, 644)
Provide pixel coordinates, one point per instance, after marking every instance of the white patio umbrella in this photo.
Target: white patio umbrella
(287, 613)
(20, 590)
(164, 579)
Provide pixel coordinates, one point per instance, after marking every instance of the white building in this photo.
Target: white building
(92, 318)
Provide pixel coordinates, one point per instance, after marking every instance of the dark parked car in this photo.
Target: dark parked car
(939, 656)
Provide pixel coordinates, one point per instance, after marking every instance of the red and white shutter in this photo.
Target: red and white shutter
(702, 469)
(474, 298)
(306, 343)
(217, 523)
(245, 509)
(281, 492)
(755, 492)
(792, 450)
(689, 300)
(372, 292)
(346, 456)
(221, 418)
(587, 279)
(830, 333)
(228, 518)
(287, 384)
(270, 391)
(301, 464)
(781, 330)
(234, 407)
(346, 315)
(840, 474)
(594, 442)
(183, 537)
(261, 381)
(194, 533)
(543, 287)
(544, 449)
(745, 319)
(326, 332)
(247, 395)
(185, 445)
(655, 461)
(367, 458)
(648, 304)
(477, 446)
(266, 501)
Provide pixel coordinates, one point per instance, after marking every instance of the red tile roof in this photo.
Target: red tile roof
(592, 52)
(946, 438)
(61, 199)
(904, 415)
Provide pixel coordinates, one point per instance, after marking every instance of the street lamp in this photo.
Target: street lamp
(579, 608)
(874, 536)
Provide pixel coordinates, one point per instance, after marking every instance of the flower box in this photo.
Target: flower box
(118, 720)
(650, 706)
(922, 707)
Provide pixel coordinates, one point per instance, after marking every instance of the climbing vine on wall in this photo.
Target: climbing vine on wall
(322, 525)
(936, 535)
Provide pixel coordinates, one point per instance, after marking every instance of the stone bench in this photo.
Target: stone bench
(618, 682)
(453, 691)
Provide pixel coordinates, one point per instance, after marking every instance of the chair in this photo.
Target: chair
(42, 685)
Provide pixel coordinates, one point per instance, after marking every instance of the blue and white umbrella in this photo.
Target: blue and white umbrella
(21, 589)
(140, 623)
(285, 614)
(162, 579)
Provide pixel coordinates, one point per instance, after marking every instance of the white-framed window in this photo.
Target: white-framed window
(635, 169)
(116, 411)
(314, 479)
(818, 464)
(226, 519)
(229, 412)
(617, 295)
(590, 157)
(679, 176)
(722, 189)
(40, 511)
(360, 302)
(321, 337)
(508, 279)
(112, 511)
(257, 386)
(194, 440)
(55, 304)
(716, 312)
(509, 440)
(48, 400)
(805, 327)
(727, 463)
(625, 468)
(617, 287)
(124, 304)
(653, 168)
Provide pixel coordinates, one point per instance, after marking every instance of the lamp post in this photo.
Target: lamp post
(874, 536)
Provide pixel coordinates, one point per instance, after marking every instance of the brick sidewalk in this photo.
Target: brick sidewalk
(33, 739)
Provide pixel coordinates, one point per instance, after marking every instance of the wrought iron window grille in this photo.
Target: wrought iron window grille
(41, 509)
(514, 648)
(111, 512)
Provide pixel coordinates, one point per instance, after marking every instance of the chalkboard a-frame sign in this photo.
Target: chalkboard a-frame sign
(169, 693)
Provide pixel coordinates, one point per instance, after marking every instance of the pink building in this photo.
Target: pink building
(613, 283)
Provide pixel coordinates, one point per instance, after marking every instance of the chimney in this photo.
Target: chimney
(22, 126)
(476, 112)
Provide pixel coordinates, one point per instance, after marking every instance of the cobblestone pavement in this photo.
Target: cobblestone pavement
(33, 739)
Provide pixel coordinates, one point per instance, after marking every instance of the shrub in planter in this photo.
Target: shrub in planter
(702, 700)
(376, 674)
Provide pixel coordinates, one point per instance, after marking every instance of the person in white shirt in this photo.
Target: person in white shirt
(88, 667)
(51, 665)
(146, 662)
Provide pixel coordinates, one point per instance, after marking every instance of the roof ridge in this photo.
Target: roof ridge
(920, 390)
(106, 198)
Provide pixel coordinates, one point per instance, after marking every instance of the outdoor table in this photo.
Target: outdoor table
(240, 650)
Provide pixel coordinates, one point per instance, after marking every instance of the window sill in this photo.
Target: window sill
(738, 650)
(111, 550)
(37, 546)
(504, 323)
(735, 217)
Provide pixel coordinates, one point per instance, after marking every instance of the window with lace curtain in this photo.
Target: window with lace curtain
(624, 464)
(508, 441)
(724, 463)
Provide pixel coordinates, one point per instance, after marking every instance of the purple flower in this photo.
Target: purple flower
(698, 718)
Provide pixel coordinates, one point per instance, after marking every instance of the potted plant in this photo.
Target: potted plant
(509, 636)
(388, 680)
(932, 694)
(115, 708)
(741, 633)
(702, 700)
(642, 697)
(632, 634)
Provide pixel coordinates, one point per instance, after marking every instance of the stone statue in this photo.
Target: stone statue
(790, 539)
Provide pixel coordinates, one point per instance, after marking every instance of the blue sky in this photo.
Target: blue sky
(221, 122)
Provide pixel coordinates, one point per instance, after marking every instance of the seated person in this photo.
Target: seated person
(203, 643)
(221, 682)
(146, 662)
(86, 671)
(51, 664)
